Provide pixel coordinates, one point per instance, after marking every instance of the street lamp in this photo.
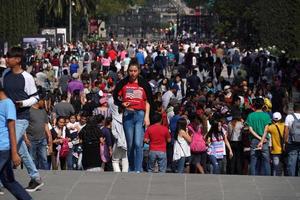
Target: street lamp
(71, 3)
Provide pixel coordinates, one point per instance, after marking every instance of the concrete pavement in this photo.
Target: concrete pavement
(81, 185)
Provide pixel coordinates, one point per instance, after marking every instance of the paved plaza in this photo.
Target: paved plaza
(80, 185)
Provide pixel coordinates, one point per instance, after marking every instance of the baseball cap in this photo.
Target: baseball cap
(75, 75)
(276, 116)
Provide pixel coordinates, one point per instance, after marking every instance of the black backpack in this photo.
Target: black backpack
(86, 57)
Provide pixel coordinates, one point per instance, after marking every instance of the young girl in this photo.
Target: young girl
(74, 128)
(217, 140)
(136, 101)
(182, 149)
(106, 151)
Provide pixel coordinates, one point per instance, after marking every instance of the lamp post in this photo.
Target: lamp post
(71, 3)
(70, 20)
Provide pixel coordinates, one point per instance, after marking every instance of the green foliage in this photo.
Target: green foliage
(260, 22)
(279, 25)
(17, 19)
(60, 7)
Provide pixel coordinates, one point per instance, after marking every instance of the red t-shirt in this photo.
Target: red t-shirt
(135, 95)
(112, 54)
(158, 135)
(55, 62)
(164, 119)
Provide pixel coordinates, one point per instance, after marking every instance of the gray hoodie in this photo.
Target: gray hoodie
(117, 124)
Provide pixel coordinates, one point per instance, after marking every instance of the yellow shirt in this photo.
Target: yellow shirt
(276, 144)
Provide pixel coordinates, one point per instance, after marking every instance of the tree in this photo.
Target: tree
(17, 19)
(59, 7)
(260, 22)
(278, 24)
(235, 20)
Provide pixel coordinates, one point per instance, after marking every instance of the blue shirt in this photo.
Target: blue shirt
(7, 111)
(73, 68)
(140, 58)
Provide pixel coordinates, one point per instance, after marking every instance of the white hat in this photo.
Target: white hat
(276, 116)
(100, 93)
(75, 75)
(227, 87)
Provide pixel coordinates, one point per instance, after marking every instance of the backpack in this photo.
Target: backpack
(295, 130)
(198, 143)
(86, 57)
(64, 150)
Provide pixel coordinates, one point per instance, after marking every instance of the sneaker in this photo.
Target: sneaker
(34, 186)
(1, 191)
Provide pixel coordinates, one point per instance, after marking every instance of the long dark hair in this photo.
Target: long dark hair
(180, 125)
(214, 130)
(134, 62)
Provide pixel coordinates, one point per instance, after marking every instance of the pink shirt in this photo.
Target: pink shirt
(105, 62)
(123, 54)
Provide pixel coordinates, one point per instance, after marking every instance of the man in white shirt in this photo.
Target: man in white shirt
(292, 141)
(169, 95)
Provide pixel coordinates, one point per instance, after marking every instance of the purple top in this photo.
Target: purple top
(75, 85)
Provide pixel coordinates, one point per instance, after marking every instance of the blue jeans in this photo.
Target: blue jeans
(218, 164)
(276, 165)
(292, 162)
(260, 159)
(160, 157)
(38, 152)
(180, 164)
(8, 179)
(235, 68)
(21, 126)
(133, 123)
(70, 160)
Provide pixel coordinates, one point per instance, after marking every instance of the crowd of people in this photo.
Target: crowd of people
(167, 106)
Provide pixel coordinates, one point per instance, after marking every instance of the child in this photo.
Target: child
(74, 128)
(106, 151)
(158, 136)
(182, 149)
(8, 148)
(217, 143)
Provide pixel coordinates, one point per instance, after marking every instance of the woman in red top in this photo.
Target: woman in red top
(133, 94)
